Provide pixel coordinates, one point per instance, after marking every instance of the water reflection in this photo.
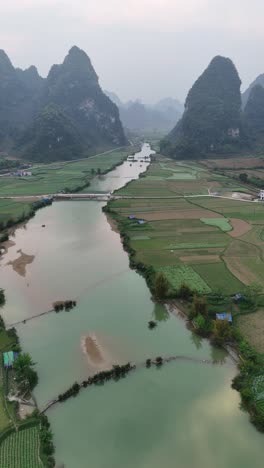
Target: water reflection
(160, 313)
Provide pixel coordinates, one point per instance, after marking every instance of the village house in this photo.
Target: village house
(225, 316)
(233, 132)
(261, 195)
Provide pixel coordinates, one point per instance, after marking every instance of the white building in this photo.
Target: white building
(233, 132)
(261, 195)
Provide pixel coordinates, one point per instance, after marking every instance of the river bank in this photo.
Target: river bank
(142, 420)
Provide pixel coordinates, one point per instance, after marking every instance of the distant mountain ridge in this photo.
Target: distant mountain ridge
(258, 81)
(58, 117)
(137, 116)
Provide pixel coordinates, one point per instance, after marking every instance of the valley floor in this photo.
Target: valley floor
(212, 244)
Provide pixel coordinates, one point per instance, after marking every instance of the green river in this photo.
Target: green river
(183, 415)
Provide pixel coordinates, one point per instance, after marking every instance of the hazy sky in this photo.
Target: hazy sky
(140, 48)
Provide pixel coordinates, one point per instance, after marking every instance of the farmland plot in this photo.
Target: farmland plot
(20, 450)
(177, 275)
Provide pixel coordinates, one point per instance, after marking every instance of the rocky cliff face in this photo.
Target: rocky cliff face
(58, 117)
(212, 118)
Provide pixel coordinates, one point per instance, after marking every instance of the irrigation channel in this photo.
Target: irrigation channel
(181, 415)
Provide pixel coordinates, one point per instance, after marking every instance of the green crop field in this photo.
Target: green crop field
(218, 277)
(177, 275)
(222, 223)
(21, 449)
(50, 178)
(10, 209)
(202, 241)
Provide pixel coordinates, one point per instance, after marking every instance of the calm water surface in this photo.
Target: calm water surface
(183, 415)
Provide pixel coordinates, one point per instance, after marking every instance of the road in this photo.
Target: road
(110, 196)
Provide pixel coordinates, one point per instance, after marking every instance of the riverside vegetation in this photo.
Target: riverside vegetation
(21, 441)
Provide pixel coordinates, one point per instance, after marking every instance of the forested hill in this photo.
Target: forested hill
(212, 118)
(60, 117)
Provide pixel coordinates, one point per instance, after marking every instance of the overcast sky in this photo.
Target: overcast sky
(144, 49)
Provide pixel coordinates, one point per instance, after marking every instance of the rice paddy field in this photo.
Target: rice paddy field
(210, 243)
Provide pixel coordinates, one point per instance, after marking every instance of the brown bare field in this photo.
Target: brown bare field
(234, 163)
(239, 270)
(240, 227)
(252, 326)
(240, 249)
(179, 214)
(200, 259)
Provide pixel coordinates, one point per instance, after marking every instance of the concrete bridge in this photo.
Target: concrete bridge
(83, 196)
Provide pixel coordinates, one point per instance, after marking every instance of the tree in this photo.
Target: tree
(243, 177)
(221, 331)
(152, 324)
(25, 375)
(185, 291)
(161, 286)
(199, 306)
(159, 361)
(22, 362)
(2, 297)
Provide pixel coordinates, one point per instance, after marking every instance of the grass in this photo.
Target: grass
(177, 275)
(221, 223)
(21, 449)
